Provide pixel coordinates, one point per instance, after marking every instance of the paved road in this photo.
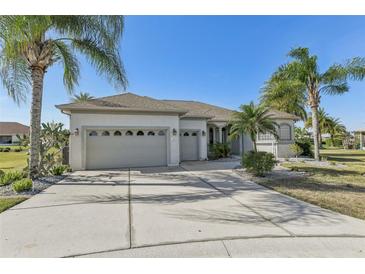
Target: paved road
(200, 210)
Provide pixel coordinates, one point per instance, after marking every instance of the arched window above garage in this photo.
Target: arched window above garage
(151, 133)
(93, 133)
(186, 134)
(140, 133)
(105, 133)
(161, 133)
(129, 133)
(194, 134)
(117, 133)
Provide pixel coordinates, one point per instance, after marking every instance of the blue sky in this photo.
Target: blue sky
(222, 60)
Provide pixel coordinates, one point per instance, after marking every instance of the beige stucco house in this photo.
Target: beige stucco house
(9, 132)
(128, 130)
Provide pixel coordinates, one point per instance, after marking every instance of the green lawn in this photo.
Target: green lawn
(339, 188)
(6, 203)
(13, 160)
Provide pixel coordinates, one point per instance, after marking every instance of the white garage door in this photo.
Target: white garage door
(189, 149)
(125, 148)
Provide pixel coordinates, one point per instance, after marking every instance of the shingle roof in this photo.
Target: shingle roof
(189, 109)
(202, 110)
(125, 101)
(13, 128)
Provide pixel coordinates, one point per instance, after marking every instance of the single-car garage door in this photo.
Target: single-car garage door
(125, 148)
(189, 149)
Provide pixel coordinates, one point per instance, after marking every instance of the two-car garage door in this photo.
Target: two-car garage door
(120, 148)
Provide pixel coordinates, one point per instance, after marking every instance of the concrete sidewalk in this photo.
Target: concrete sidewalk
(198, 210)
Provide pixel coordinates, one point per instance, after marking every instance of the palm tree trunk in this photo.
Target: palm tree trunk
(315, 128)
(35, 120)
(254, 145)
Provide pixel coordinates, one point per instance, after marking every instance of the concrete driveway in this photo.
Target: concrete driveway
(199, 210)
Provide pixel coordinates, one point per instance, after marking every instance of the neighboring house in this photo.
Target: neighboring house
(9, 130)
(361, 134)
(128, 130)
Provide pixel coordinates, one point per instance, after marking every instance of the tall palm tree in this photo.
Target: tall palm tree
(287, 96)
(30, 45)
(252, 119)
(304, 69)
(82, 97)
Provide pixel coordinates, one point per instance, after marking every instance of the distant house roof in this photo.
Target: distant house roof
(188, 109)
(13, 128)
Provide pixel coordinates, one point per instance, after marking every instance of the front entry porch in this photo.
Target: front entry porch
(218, 133)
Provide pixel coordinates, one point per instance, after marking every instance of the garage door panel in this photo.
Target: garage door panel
(189, 146)
(125, 151)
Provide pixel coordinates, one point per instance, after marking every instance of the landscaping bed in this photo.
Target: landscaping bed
(337, 184)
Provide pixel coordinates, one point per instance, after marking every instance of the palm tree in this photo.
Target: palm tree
(287, 96)
(252, 119)
(335, 128)
(30, 45)
(304, 69)
(82, 97)
(323, 120)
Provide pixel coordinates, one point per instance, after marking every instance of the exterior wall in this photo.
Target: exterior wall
(199, 125)
(83, 121)
(280, 148)
(14, 139)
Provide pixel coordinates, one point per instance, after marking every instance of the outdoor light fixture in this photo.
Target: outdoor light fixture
(203, 133)
(174, 132)
(76, 132)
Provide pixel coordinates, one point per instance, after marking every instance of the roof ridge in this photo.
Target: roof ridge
(199, 102)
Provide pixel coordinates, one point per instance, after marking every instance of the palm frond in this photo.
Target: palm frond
(71, 70)
(15, 77)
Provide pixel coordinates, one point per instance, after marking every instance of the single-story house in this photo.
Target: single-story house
(9, 132)
(361, 134)
(129, 130)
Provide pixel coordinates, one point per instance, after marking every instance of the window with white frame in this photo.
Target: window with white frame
(285, 132)
(265, 136)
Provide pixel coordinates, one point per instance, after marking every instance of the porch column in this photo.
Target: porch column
(220, 135)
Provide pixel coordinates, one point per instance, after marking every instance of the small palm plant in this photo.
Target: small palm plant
(30, 45)
(82, 97)
(252, 119)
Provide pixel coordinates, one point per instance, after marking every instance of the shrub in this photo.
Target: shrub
(10, 177)
(306, 146)
(17, 149)
(296, 149)
(22, 185)
(220, 150)
(58, 170)
(6, 149)
(258, 163)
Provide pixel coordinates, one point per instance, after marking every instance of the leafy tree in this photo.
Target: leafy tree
(82, 97)
(303, 70)
(30, 45)
(296, 149)
(252, 119)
